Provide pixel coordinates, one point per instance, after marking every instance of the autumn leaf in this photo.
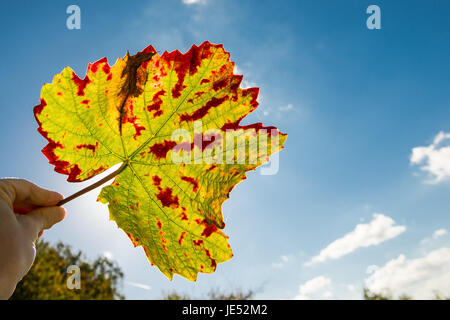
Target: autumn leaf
(128, 113)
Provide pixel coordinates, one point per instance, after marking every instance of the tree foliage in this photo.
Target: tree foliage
(214, 294)
(47, 279)
(369, 295)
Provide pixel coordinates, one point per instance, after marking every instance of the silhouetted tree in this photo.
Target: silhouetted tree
(214, 294)
(369, 295)
(47, 278)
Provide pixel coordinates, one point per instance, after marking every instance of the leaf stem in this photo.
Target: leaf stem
(93, 186)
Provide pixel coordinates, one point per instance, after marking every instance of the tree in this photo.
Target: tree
(215, 294)
(440, 296)
(48, 277)
(369, 295)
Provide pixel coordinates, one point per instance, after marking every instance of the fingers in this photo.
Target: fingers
(40, 219)
(24, 196)
(23, 192)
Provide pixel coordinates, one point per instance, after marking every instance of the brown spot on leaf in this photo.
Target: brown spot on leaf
(201, 112)
(192, 181)
(209, 229)
(156, 180)
(213, 261)
(81, 83)
(156, 106)
(88, 146)
(167, 199)
(256, 126)
(134, 80)
(94, 67)
(160, 149)
(131, 118)
(220, 84)
(158, 223)
(183, 214)
(197, 242)
(180, 240)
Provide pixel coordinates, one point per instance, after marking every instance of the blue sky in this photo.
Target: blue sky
(355, 103)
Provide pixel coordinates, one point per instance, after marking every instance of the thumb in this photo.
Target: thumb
(34, 222)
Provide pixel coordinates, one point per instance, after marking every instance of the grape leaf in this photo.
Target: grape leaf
(127, 113)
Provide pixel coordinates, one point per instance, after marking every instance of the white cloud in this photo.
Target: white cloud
(245, 83)
(421, 278)
(285, 259)
(248, 84)
(435, 158)
(138, 285)
(317, 288)
(380, 229)
(286, 108)
(436, 234)
(439, 233)
(189, 2)
(237, 70)
(278, 112)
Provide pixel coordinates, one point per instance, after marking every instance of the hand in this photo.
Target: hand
(25, 211)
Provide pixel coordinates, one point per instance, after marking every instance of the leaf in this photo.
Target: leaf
(127, 114)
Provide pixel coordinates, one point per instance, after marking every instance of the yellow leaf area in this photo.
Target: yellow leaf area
(128, 113)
